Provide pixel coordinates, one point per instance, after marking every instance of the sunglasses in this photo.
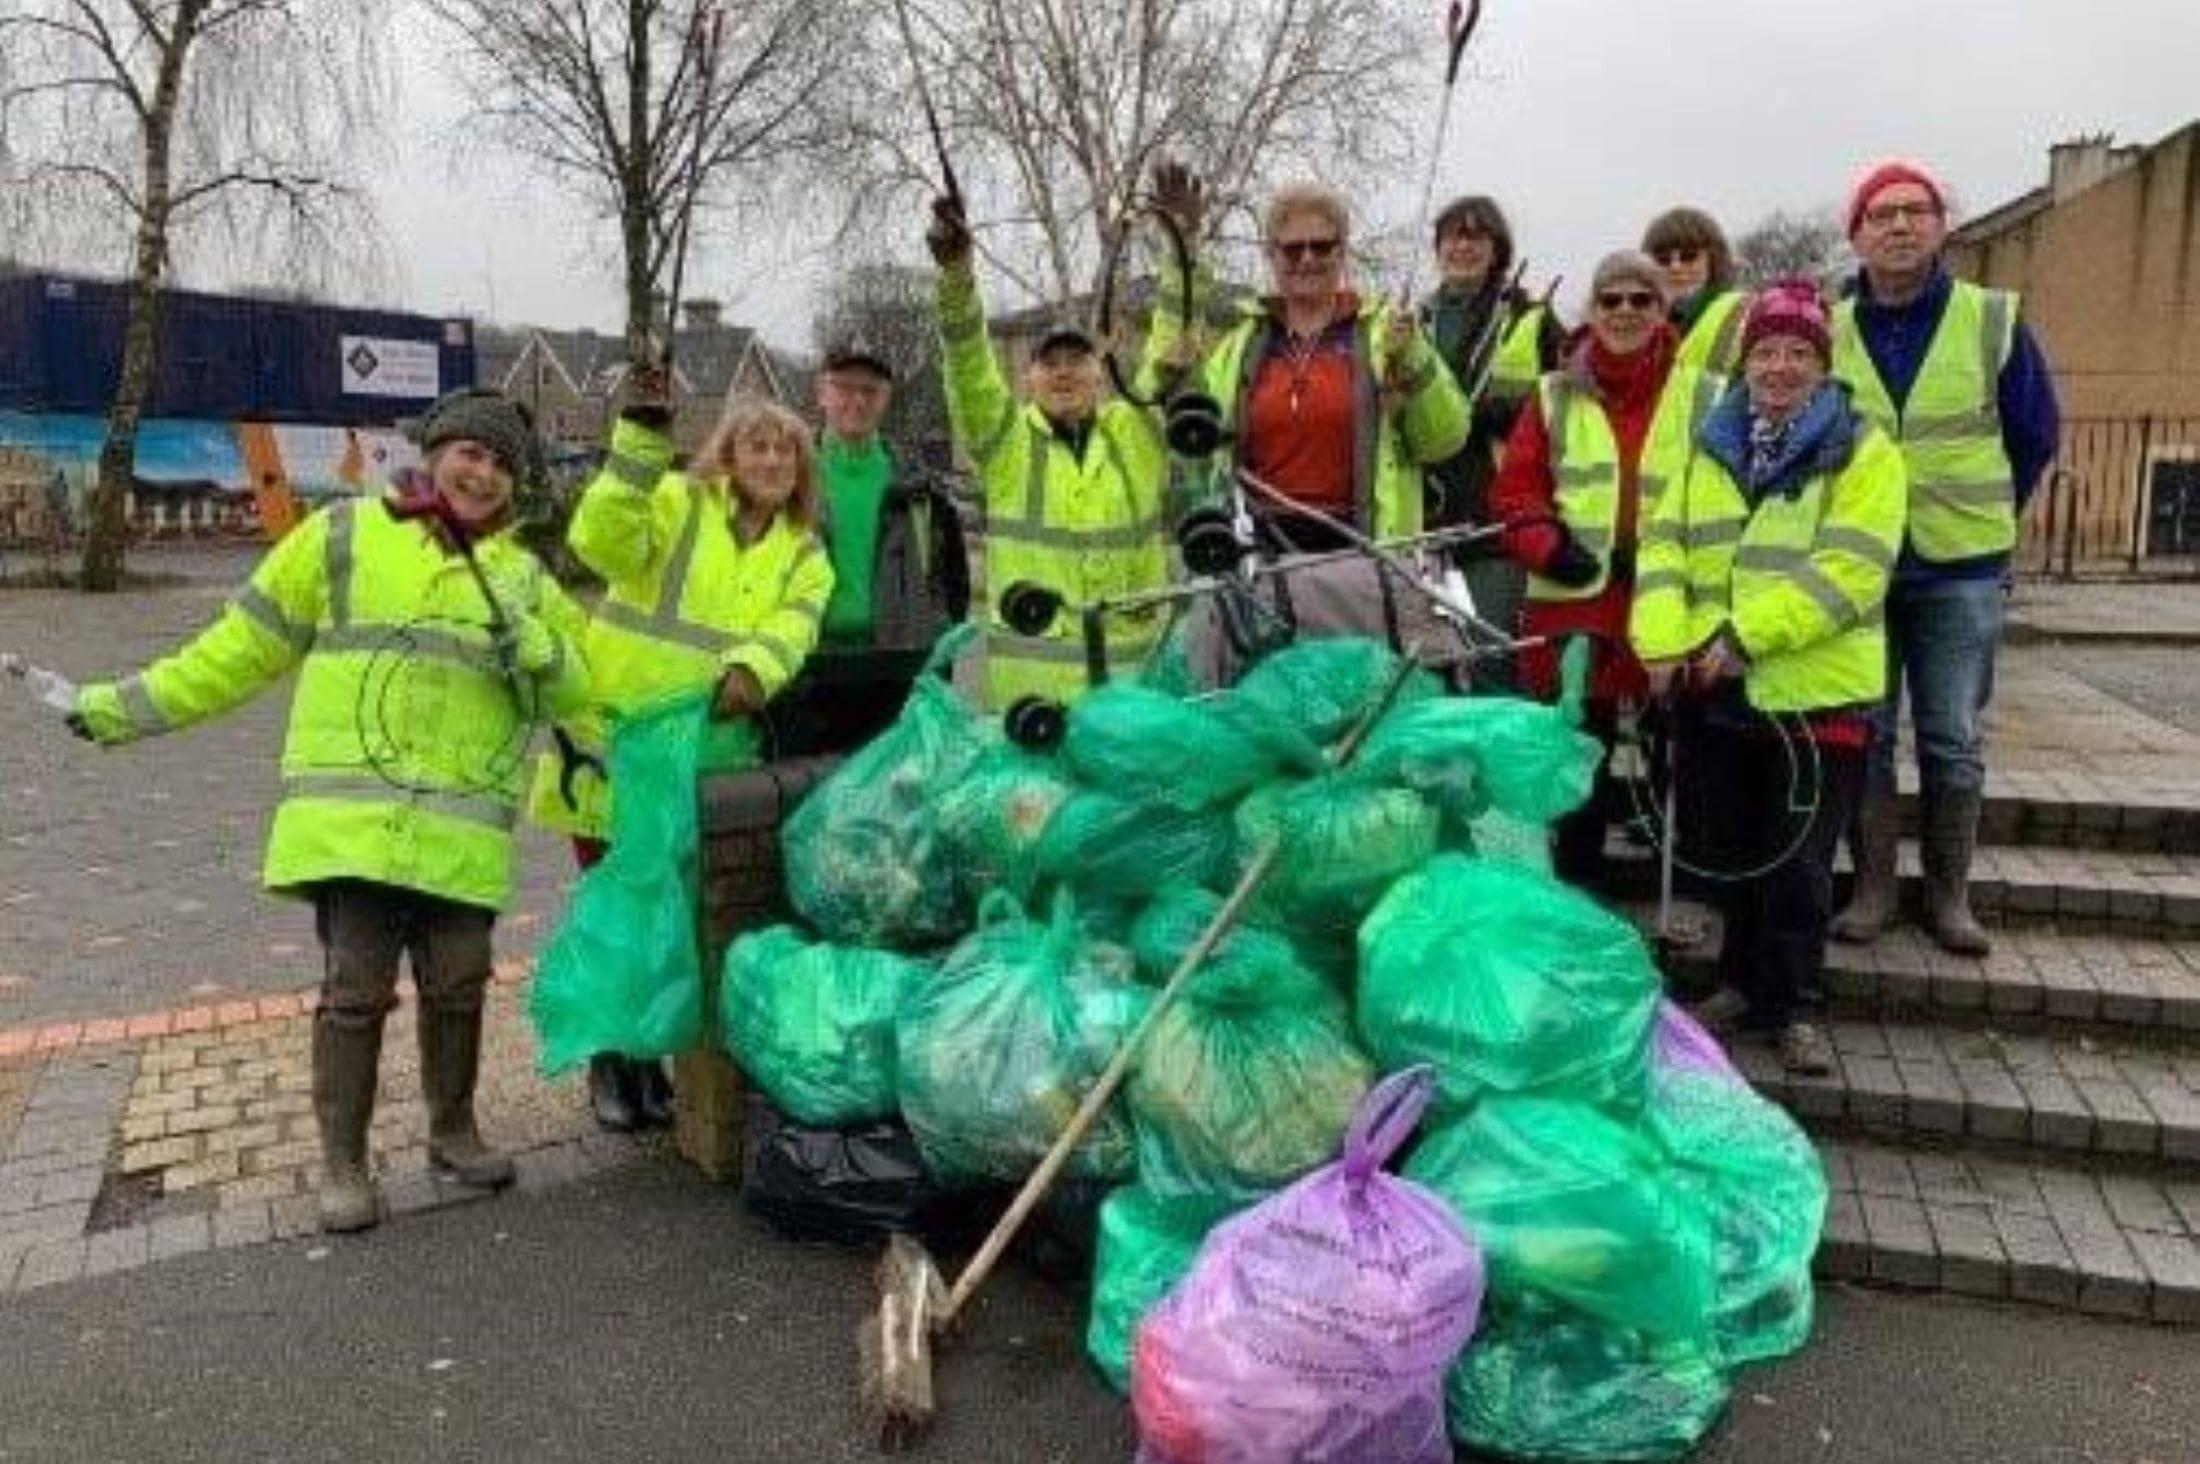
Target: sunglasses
(1627, 300)
(1298, 249)
(1679, 255)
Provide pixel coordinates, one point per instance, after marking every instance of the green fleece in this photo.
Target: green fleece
(857, 476)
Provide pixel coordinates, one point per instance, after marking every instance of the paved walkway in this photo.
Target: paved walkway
(2156, 612)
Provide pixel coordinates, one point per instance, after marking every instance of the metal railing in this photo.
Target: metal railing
(2122, 498)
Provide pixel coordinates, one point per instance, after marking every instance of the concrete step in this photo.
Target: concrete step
(2049, 1096)
(2117, 985)
(2048, 1233)
(2078, 810)
(2152, 893)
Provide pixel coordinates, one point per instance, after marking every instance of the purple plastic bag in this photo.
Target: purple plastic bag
(1316, 1327)
(1681, 1044)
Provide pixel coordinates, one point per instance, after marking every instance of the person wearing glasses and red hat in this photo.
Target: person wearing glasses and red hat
(1596, 443)
(1952, 373)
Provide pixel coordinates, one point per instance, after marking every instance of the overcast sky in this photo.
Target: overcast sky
(1584, 118)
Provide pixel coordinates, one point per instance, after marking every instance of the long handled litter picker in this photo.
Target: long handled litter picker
(948, 180)
(1460, 24)
(894, 1345)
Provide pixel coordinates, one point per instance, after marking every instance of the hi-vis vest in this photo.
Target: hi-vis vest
(685, 601)
(407, 744)
(1089, 528)
(1585, 463)
(1962, 488)
(1714, 342)
(1518, 364)
(1802, 580)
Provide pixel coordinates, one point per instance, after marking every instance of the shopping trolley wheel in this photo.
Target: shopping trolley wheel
(1036, 723)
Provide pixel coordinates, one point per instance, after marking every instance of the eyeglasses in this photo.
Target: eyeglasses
(1677, 254)
(1318, 250)
(1880, 215)
(1627, 300)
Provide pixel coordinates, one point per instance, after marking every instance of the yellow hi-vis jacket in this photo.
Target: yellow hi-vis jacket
(1088, 527)
(1963, 496)
(685, 601)
(1801, 578)
(407, 741)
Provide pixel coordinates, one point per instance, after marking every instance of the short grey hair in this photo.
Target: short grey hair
(1307, 198)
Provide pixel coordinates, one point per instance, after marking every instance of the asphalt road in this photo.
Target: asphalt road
(642, 1317)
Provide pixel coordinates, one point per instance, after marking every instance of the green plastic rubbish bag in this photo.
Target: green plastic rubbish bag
(1251, 1077)
(866, 863)
(1468, 754)
(1147, 1245)
(993, 816)
(1503, 839)
(1747, 1166)
(1344, 843)
(994, 1053)
(1568, 1202)
(813, 1024)
(1506, 981)
(1118, 849)
(622, 973)
(1543, 1382)
(1321, 688)
(1150, 747)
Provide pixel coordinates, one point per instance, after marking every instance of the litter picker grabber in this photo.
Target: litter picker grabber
(948, 181)
(1460, 24)
(894, 1344)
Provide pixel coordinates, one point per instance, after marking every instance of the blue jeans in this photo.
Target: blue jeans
(1941, 639)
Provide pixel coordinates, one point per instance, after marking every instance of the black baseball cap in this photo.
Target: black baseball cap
(856, 355)
(1063, 333)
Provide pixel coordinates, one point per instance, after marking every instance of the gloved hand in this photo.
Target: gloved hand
(949, 237)
(524, 644)
(1572, 566)
(76, 724)
(740, 694)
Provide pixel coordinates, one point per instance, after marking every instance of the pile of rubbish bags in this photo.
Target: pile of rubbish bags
(1594, 1220)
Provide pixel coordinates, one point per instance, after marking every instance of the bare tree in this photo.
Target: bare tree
(182, 121)
(626, 101)
(1787, 245)
(1057, 110)
(888, 308)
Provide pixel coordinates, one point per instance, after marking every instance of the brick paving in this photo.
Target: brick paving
(2117, 1245)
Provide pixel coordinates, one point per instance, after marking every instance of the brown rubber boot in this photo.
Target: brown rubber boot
(346, 1060)
(1876, 895)
(1947, 840)
(450, 1060)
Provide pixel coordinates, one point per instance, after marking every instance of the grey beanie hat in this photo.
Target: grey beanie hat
(490, 418)
(1624, 265)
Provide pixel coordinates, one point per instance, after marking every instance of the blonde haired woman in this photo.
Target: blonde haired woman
(714, 576)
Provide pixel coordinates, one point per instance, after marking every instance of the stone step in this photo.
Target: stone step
(2121, 985)
(2047, 1095)
(2078, 810)
(2048, 1233)
(2149, 893)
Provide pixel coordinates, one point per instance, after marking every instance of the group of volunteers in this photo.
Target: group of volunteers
(1765, 515)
